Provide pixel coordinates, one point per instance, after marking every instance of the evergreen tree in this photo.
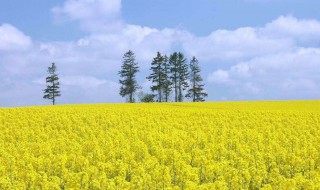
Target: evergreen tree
(167, 82)
(147, 98)
(183, 75)
(127, 74)
(174, 69)
(179, 74)
(196, 92)
(157, 77)
(52, 90)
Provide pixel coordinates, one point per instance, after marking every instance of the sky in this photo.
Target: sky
(247, 49)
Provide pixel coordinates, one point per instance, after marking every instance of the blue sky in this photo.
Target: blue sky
(248, 49)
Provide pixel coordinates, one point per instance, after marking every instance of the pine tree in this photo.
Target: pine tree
(127, 74)
(52, 90)
(174, 69)
(167, 82)
(179, 74)
(183, 75)
(157, 77)
(196, 92)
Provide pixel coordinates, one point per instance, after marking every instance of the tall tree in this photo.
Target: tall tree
(127, 74)
(174, 69)
(183, 75)
(52, 90)
(157, 77)
(179, 74)
(196, 92)
(167, 82)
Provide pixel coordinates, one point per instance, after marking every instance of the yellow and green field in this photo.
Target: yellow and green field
(229, 145)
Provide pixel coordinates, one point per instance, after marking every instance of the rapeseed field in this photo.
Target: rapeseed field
(228, 145)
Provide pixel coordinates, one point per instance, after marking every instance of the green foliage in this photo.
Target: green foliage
(127, 74)
(174, 73)
(158, 75)
(167, 75)
(167, 85)
(52, 91)
(148, 98)
(196, 92)
(183, 75)
(179, 74)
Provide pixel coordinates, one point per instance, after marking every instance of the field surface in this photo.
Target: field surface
(230, 145)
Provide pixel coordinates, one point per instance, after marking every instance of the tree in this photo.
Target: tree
(157, 77)
(146, 98)
(52, 90)
(166, 75)
(183, 75)
(179, 74)
(196, 92)
(127, 74)
(174, 69)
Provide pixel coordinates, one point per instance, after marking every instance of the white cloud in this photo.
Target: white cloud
(104, 91)
(93, 15)
(13, 39)
(219, 76)
(20, 93)
(293, 74)
(239, 44)
(252, 88)
(301, 84)
(85, 82)
(289, 27)
(89, 9)
(281, 35)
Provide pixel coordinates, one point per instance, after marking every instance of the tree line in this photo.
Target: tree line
(171, 75)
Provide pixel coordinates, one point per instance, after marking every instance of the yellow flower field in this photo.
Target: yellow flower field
(230, 145)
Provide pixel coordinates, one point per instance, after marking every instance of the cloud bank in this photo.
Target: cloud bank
(92, 15)
(12, 39)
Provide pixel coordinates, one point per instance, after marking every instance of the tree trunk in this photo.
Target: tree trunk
(176, 92)
(194, 87)
(53, 95)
